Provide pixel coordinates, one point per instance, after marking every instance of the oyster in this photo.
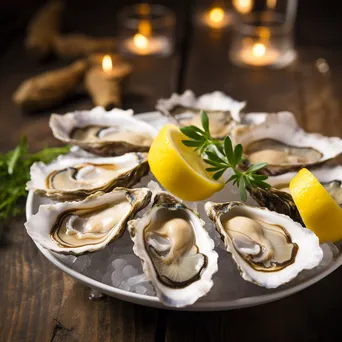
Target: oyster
(104, 133)
(259, 118)
(330, 177)
(223, 111)
(276, 200)
(269, 248)
(177, 253)
(283, 145)
(72, 178)
(88, 225)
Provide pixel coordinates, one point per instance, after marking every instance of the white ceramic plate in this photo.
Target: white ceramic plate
(251, 296)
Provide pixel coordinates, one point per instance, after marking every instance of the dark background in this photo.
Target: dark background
(38, 302)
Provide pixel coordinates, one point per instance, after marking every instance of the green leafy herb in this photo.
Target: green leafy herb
(15, 173)
(221, 156)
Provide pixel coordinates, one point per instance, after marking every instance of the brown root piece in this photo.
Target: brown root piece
(104, 91)
(49, 88)
(276, 200)
(42, 29)
(80, 45)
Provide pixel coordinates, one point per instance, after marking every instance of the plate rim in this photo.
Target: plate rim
(153, 301)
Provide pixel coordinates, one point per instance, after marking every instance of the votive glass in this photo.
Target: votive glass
(146, 29)
(263, 33)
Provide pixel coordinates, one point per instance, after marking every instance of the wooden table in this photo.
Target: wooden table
(38, 302)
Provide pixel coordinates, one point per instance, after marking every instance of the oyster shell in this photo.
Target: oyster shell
(278, 198)
(88, 225)
(330, 177)
(259, 118)
(177, 253)
(223, 111)
(286, 147)
(104, 133)
(269, 248)
(74, 178)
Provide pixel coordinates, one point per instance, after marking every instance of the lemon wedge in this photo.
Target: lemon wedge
(318, 209)
(180, 169)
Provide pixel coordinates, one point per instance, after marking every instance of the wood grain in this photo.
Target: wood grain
(308, 315)
(38, 301)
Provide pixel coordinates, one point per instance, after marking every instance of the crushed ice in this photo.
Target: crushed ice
(117, 265)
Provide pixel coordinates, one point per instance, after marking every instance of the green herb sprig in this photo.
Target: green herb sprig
(221, 156)
(15, 173)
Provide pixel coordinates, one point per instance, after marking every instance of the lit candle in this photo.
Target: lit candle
(258, 54)
(145, 43)
(243, 6)
(216, 18)
(103, 82)
(110, 65)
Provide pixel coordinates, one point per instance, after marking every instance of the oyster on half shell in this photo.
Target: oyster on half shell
(329, 176)
(269, 248)
(279, 199)
(88, 225)
(73, 178)
(177, 253)
(104, 133)
(222, 110)
(283, 145)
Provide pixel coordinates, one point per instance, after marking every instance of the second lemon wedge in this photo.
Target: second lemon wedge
(318, 209)
(179, 168)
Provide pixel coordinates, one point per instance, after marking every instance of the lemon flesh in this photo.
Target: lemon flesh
(319, 211)
(180, 169)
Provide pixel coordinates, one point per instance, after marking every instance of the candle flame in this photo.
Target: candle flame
(216, 15)
(243, 6)
(258, 50)
(140, 41)
(107, 63)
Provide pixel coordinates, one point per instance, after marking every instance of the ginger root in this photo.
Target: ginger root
(42, 29)
(80, 45)
(50, 88)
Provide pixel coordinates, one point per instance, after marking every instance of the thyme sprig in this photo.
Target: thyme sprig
(221, 156)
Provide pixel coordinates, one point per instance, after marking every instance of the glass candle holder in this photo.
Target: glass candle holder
(146, 29)
(263, 33)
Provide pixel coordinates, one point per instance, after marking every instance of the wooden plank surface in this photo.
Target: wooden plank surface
(312, 97)
(38, 301)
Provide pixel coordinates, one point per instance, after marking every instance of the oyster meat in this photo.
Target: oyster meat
(269, 248)
(71, 178)
(283, 145)
(104, 133)
(88, 225)
(223, 111)
(177, 253)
